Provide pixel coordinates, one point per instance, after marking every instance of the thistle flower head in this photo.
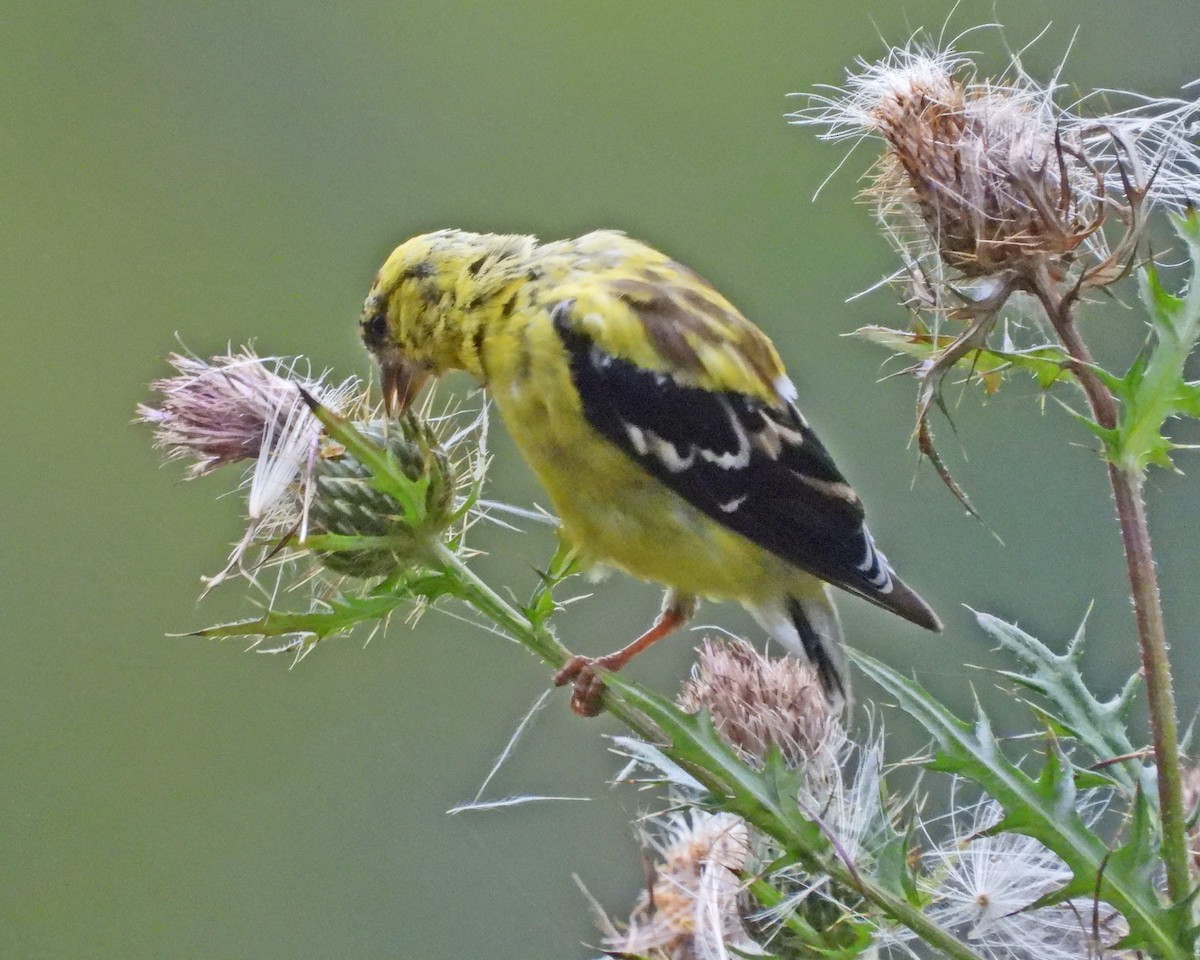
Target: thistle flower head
(306, 488)
(691, 907)
(236, 407)
(758, 703)
(996, 179)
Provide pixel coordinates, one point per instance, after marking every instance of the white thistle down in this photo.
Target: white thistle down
(849, 809)
(983, 885)
(290, 443)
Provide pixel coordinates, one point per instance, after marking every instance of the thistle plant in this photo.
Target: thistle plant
(991, 191)
(781, 829)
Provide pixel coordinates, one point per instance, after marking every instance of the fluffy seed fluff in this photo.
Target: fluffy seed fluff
(982, 887)
(842, 791)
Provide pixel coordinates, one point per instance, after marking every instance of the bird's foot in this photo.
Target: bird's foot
(589, 688)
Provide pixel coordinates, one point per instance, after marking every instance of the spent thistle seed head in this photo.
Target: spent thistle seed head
(235, 407)
(691, 909)
(997, 181)
(983, 884)
(757, 703)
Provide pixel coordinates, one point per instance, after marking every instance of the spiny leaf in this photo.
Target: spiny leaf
(1098, 725)
(1109, 437)
(796, 931)
(1137, 855)
(327, 619)
(331, 617)
(1042, 808)
(1164, 306)
(1187, 401)
(894, 866)
(563, 565)
(1154, 390)
(1136, 373)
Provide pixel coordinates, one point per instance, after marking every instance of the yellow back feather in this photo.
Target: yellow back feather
(451, 298)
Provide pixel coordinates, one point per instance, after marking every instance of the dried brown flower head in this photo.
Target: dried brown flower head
(758, 703)
(988, 181)
(995, 179)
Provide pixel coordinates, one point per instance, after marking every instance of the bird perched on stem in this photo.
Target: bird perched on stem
(659, 419)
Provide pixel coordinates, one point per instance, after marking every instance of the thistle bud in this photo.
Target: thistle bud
(346, 503)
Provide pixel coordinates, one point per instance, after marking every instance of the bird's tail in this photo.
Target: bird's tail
(808, 625)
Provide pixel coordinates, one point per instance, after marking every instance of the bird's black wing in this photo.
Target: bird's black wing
(755, 468)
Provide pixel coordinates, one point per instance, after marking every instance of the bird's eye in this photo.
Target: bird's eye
(374, 330)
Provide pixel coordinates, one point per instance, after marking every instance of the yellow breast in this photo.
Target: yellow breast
(615, 512)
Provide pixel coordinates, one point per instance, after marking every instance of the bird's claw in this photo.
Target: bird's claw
(589, 688)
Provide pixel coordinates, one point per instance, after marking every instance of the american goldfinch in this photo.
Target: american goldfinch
(659, 419)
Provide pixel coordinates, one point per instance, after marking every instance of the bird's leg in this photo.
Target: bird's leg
(677, 610)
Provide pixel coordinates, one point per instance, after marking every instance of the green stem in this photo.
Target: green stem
(1147, 607)
(538, 640)
(767, 896)
(1126, 481)
(493, 606)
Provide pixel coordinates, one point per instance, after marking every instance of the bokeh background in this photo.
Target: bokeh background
(234, 170)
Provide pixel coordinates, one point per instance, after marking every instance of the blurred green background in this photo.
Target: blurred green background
(232, 170)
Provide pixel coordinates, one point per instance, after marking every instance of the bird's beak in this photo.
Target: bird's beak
(402, 381)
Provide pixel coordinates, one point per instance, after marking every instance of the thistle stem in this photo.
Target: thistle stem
(1127, 482)
(723, 774)
(493, 606)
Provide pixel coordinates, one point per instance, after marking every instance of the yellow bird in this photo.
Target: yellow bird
(659, 419)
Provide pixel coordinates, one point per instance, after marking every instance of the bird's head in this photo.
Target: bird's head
(425, 304)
